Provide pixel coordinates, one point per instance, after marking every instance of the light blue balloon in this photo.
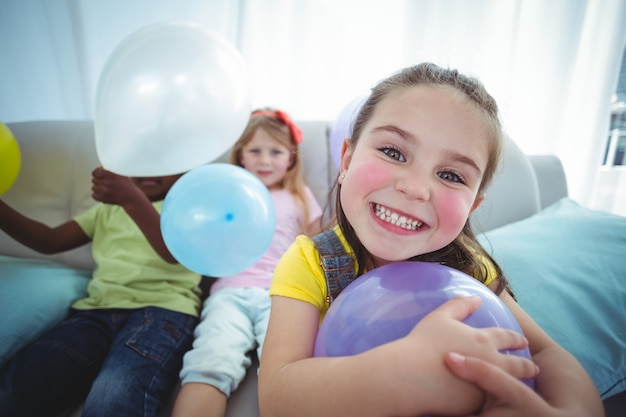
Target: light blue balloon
(218, 219)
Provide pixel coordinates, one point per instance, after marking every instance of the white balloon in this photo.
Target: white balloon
(171, 96)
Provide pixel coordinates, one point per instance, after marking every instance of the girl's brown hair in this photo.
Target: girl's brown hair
(465, 253)
(277, 129)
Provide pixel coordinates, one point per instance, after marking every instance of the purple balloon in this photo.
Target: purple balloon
(386, 303)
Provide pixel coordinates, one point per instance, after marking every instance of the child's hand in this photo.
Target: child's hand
(443, 331)
(506, 395)
(445, 325)
(111, 188)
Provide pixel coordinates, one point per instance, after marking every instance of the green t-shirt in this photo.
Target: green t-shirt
(129, 273)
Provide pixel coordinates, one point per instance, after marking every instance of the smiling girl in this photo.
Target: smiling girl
(424, 147)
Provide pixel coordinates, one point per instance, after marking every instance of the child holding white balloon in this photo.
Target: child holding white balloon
(424, 146)
(120, 348)
(234, 317)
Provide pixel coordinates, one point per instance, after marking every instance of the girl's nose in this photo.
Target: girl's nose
(265, 157)
(413, 187)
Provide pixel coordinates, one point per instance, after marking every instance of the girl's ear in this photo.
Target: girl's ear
(346, 155)
(477, 202)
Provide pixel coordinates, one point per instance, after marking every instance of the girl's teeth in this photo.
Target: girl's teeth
(394, 218)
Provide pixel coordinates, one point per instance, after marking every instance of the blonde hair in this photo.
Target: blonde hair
(278, 130)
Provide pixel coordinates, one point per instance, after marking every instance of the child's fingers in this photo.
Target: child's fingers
(501, 338)
(98, 172)
(492, 338)
(458, 308)
(505, 388)
(517, 366)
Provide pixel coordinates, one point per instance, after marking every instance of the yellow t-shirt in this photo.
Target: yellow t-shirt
(129, 273)
(299, 273)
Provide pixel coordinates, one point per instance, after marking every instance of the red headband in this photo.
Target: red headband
(296, 133)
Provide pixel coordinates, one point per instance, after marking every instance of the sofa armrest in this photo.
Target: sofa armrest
(550, 178)
(512, 195)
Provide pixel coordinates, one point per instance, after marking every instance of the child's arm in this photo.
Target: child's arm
(563, 386)
(404, 377)
(39, 236)
(111, 188)
(508, 397)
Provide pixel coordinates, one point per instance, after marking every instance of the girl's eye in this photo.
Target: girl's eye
(276, 152)
(451, 176)
(393, 153)
(254, 151)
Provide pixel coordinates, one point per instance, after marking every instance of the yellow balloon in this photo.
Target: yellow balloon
(10, 158)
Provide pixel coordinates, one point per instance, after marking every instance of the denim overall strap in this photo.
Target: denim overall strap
(337, 264)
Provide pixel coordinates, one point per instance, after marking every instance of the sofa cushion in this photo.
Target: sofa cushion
(34, 295)
(566, 268)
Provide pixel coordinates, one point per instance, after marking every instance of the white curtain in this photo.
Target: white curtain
(552, 65)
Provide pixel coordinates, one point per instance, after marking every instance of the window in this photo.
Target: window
(615, 153)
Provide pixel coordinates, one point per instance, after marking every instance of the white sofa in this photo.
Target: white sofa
(54, 185)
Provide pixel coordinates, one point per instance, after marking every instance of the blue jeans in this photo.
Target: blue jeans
(119, 362)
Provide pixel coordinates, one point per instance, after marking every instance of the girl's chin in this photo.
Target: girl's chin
(385, 257)
(386, 254)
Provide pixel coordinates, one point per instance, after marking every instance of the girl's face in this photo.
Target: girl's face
(266, 158)
(412, 179)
